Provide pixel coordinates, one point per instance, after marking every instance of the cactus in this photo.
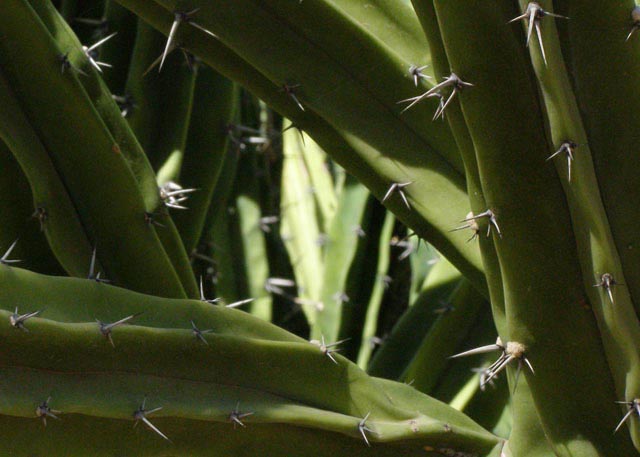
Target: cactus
(423, 210)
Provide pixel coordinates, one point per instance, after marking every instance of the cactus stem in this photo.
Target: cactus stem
(17, 320)
(89, 52)
(493, 221)
(416, 73)
(397, 187)
(141, 415)
(106, 329)
(569, 148)
(635, 17)
(4, 260)
(41, 215)
(65, 64)
(634, 406)
(534, 14)
(44, 410)
(236, 416)
(607, 282)
(289, 90)
(328, 349)
(452, 81)
(199, 334)
(362, 428)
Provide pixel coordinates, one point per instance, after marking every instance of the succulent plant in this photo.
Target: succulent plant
(424, 211)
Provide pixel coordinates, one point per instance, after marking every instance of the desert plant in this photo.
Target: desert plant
(241, 150)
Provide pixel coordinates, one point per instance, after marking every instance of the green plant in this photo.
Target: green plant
(529, 121)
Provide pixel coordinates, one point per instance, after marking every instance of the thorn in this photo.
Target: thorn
(493, 221)
(125, 103)
(481, 350)
(150, 220)
(41, 215)
(340, 297)
(199, 334)
(635, 17)
(239, 303)
(266, 221)
(534, 15)
(329, 349)
(141, 415)
(17, 320)
(607, 282)
(634, 406)
(289, 90)
(359, 231)
(236, 416)
(4, 260)
(275, 285)
(92, 269)
(362, 428)
(472, 224)
(178, 18)
(569, 148)
(416, 73)
(300, 131)
(172, 194)
(89, 52)
(452, 81)
(44, 410)
(511, 351)
(202, 297)
(65, 63)
(408, 247)
(106, 329)
(398, 187)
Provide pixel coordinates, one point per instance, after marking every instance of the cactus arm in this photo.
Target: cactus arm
(395, 354)
(166, 98)
(594, 36)
(167, 364)
(512, 158)
(598, 251)
(215, 104)
(525, 417)
(111, 207)
(63, 229)
(361, 159)
(127, 142)
(17, 209)
(300, 225)
(118, 53)
(370, 321)
(339, 257)
(396, 22)
(252, 238)
(444, 337)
